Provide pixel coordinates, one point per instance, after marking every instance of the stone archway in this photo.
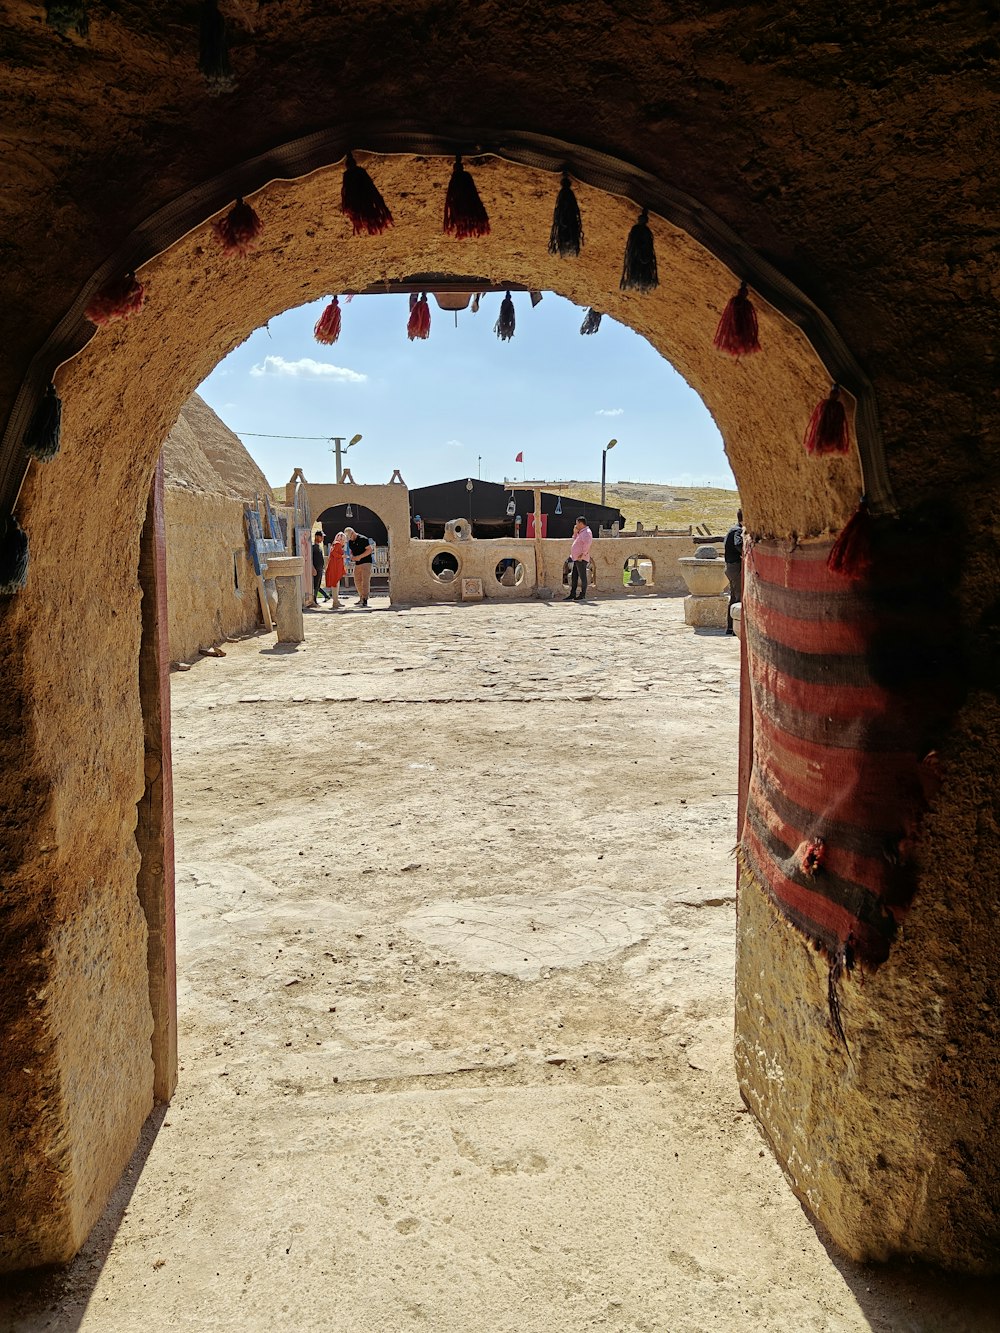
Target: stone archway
(121, 393)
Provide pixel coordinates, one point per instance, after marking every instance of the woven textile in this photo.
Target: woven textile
(851, 685)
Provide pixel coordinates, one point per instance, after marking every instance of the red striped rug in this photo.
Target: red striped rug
(851, 687)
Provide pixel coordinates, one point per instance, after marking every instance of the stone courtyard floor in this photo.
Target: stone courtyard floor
(455, 950)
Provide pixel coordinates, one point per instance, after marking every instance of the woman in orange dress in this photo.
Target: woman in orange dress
(335, 570)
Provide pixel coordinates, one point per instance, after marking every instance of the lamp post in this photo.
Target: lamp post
(339, 448)
(604, 466)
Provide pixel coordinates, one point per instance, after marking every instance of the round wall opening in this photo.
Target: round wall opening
(444, 566)
(637, 572)
(509, 572)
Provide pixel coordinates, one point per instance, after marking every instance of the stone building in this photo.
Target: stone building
(208, 476)
(840, 159)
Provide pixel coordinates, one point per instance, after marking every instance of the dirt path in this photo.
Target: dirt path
(456, 917)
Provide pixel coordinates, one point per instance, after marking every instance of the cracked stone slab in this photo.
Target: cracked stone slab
(524, 937)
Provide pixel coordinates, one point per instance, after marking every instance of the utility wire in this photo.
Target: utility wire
(263, 435)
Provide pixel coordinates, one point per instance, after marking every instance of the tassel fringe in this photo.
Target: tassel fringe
(41, 439)
(827, 430)
(419, 324)
(13, 556)
(464, 214)
(591, 321)
(639, 269)
(67, 16)
(361, 201)
(327, 329)
(737, 334)
(566, 236)
(239, 231)
(118, 299)
(504, 327)
(213, 58)
(852, 554)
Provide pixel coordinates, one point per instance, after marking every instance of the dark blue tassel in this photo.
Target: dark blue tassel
(41, 439)
(13, 556)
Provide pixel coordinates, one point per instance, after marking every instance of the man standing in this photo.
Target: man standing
(362, 552)
(319, 564)
(733, 552)
(579, 553)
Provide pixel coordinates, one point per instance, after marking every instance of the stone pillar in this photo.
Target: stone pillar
(705, 575)
(287, 574)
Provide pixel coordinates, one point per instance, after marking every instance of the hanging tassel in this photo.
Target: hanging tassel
(360, 200)
(852, 554)
(464, 214)
(639, 269)
(419, 324)
(41, 439)
(327, 328)
(737, 334)
(591, 321)
(566, 236)
(827, 431)
(118, 299)
(239, 231)
(13, 556)
(213, 58)
(67, 16)
(504, 327)
(475, 303)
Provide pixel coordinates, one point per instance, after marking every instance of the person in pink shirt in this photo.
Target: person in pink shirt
(579, 553)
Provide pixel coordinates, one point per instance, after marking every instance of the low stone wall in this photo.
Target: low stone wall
(211, 589)
(412, 579)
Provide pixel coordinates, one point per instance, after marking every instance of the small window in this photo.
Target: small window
(638, 572)
(509, 573)
(444, 567)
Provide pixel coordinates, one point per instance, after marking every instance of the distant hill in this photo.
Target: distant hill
(660, 506)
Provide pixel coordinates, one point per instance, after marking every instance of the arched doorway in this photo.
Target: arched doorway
(202, 306)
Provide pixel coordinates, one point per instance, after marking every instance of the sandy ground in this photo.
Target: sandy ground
(456, 921)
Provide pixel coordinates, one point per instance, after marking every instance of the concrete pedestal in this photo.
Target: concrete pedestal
(286, 570)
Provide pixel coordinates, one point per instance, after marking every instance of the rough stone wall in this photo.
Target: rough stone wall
(853, 146)
(208, 474)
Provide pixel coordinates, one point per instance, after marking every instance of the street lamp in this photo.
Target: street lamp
(338, 441)
(604, 465)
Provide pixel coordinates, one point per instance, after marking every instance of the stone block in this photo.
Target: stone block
(705, 612)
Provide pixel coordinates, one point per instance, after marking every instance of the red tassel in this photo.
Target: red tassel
(119, 299)
(419, 325)
(827, 432)
(852, 554)
(327, 328)
(361, 201)
(239, 231)
(464, 214)
(737, 332)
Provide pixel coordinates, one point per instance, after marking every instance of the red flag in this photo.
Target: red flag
(519, 458)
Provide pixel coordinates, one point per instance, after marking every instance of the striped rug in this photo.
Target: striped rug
(850, 686)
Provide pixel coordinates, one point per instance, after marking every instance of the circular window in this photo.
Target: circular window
(509, 572)
(444, 567)
(638, 572)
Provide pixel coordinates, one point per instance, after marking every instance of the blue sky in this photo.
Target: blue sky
(463, 403)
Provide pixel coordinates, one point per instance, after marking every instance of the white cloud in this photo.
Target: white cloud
(307, 368)
(454, 444)
(607, 411)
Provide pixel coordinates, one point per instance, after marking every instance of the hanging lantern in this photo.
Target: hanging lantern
(327, 328)
(348, 512)
(239, 231)
(737, 334)
(41, 439)
(504, 327)
(639, 269)
(419, 323)
(119, 299)
(464, 214)
(361, 201)
(827, 431)
(559, 505)
(566, 236)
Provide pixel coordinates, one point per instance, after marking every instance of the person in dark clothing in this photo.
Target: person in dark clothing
(362, 553)
(733, 552)
(319, 564)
